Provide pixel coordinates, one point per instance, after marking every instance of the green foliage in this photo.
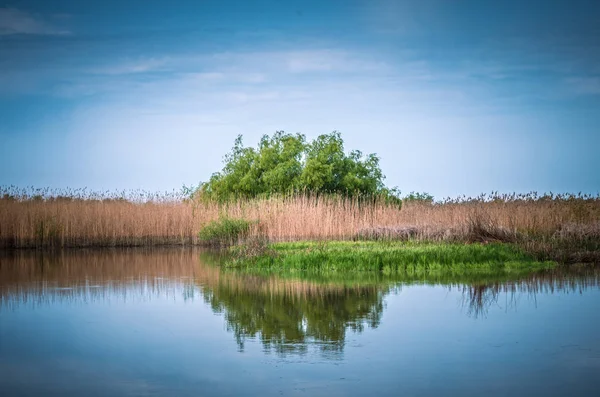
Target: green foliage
(393, 257)
(224, 231)
(187, 192)
(287, 163)
(286, 324)
(419, 197)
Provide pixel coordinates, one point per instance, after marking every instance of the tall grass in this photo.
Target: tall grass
(44, 218)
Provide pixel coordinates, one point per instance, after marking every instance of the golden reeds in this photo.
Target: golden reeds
(80, 220)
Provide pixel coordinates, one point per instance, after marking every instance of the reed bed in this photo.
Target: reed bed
(77, 218)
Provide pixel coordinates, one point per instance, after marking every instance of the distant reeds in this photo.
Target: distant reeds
(44, 218)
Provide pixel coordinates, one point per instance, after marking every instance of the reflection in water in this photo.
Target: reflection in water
(479, 297)
(84, 276)
(289, 314)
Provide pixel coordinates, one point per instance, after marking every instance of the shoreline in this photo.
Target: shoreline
(565, 255)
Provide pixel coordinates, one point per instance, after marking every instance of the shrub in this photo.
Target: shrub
(424, 198)
(224, 231)
(254, 248)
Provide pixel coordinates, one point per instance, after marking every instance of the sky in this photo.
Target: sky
(456, 97)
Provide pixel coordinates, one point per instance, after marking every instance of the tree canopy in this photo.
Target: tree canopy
(287, 163)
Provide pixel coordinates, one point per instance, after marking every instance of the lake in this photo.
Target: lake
(153, 322)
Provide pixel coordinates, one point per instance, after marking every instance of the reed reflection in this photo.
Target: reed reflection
(288, 313)
(82, 276)
(478, 298)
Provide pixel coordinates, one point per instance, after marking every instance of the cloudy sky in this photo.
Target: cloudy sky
(457, 97)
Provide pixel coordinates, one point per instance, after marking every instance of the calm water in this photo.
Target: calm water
(168, 322)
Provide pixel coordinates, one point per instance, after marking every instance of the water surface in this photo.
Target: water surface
(170, 322)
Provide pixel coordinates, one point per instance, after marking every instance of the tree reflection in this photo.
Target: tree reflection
(287, 312)
(288, 315)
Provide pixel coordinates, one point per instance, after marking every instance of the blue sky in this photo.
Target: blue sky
(457, 97)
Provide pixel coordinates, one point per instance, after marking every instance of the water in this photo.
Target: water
(168, 322)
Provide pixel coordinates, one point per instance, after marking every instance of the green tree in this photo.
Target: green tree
(424, 197)
(285, 163)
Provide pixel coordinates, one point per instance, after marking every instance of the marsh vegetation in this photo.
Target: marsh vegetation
(290, 189)
(562, 228)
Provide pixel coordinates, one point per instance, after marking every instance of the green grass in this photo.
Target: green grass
(389, 257)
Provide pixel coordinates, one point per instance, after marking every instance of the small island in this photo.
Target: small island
(299, 204)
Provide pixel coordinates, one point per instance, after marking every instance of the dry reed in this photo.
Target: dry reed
(76, 219)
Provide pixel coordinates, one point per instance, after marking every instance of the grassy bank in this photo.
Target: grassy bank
(387, 257)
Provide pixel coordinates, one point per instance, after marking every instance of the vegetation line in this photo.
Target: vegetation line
(564, 229)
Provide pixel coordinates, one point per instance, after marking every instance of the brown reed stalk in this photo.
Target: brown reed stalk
(36, 220)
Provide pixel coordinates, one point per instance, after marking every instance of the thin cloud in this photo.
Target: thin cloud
(202, 71)
(13, 21)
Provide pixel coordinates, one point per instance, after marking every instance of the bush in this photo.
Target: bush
(254, 248)
(415, 197)
(289, 164)
(225, 231)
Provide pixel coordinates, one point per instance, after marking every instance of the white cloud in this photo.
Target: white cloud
(13, 21)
